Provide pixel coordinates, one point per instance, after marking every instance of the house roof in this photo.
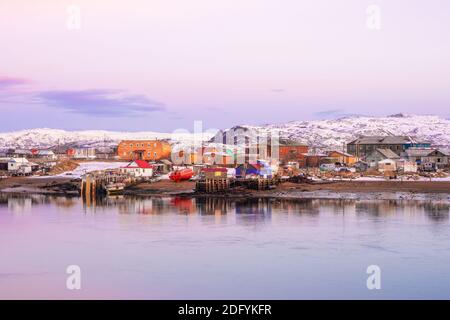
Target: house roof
(385, 140)
(291, 143)
(444, 151)
(22, 151)
(165, 161)
(342, 153)
(418, 152)
(386, 161)
(388, 153)
(139, 164)
(46, 153)
(18, 160)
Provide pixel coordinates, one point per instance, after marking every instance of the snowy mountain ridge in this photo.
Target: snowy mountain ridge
(332, 134)
(321, 134)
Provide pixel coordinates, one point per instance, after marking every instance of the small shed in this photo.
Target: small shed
(387, 165)
(406, 166)
(215, 173)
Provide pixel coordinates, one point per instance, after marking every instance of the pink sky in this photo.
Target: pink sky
(159, 65)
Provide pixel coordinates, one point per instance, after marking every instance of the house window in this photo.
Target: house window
(124, 153)
(148, 154)
(438, 159)
(154, 145)
(131, 145)
(155, 154)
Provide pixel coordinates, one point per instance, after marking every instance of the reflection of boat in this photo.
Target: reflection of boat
(184, 204)
(114, 188)
(180, 175)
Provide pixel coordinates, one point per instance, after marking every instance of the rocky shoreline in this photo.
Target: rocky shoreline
(346, 190)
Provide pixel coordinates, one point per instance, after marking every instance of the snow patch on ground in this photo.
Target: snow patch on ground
(86, 167)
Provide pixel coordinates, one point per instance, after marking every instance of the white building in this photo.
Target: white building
(47, 154)
(138, 168)
(84, 153)
(387, 165)
(19, 166)
(406, 166)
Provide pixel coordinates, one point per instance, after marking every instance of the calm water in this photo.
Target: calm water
(173, 248)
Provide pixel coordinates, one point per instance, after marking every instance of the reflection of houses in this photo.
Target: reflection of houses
(364, 146)
(138, 168)
(428, 157)
(143, 150)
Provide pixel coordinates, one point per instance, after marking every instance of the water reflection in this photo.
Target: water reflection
(197, 248)
(253, 209)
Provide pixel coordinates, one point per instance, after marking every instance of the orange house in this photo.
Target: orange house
(295, 152)
(149, 150)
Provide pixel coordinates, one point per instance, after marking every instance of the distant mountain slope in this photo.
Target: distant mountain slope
(319, 133)
(326, 134)
(46, 138)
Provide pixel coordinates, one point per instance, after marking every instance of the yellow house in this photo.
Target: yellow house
(343, 157)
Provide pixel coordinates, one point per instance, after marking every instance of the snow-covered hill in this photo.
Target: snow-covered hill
(317, 133)
(47, 138)
(327, 134)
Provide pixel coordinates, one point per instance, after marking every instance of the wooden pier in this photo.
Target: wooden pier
(213, 185)
(98, 184)
(221, 185)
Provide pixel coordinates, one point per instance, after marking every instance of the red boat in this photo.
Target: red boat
(180, 175)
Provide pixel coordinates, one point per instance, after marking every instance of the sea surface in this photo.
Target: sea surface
(182, 248)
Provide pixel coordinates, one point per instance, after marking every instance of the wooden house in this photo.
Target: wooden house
(138, 168)
(343, 157)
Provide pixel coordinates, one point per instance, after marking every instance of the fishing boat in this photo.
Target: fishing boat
(114, 188)
(181, 175)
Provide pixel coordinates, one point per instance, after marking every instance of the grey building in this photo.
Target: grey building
(428, 157)
(381, 154)
(364, 146)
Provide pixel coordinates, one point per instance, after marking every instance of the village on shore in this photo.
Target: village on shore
(226, 163)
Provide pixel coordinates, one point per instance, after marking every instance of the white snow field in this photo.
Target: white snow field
(321, 134)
